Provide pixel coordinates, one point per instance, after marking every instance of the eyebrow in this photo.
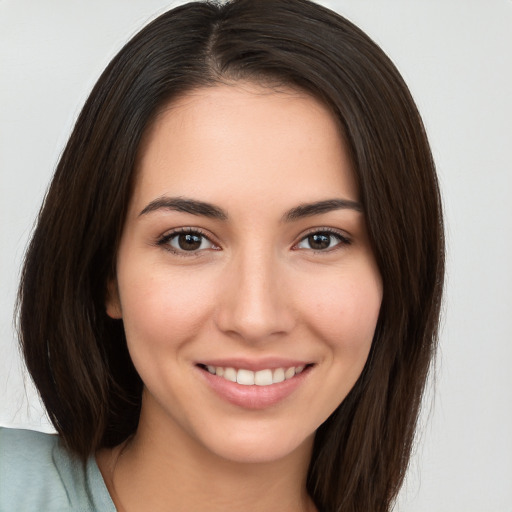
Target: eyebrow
(201, 208)
(181, 204)
(319, 207)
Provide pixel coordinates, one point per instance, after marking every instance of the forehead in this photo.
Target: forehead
(244, 140)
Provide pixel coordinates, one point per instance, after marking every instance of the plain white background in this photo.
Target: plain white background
(456, 56)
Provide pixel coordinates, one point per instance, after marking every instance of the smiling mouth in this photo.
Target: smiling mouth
(265, 377)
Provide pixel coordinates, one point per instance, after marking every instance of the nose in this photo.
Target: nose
(254, 302)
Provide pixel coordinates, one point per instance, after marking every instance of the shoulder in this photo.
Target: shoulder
(29, 477)
(19, 446)
(38, 473)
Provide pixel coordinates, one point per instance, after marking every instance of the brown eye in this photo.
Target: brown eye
(189, 241)
(321, 241)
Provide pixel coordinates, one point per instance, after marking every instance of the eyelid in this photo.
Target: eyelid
(163, 240)
(168, 235)
(343, 237)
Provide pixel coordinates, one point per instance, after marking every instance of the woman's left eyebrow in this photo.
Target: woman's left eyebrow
(319, 207)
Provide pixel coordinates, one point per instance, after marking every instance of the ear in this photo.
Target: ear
(112, 302)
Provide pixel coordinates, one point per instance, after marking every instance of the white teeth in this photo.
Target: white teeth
(263, 378)
(278, 375)
(245, 377)
(289, 373)
(230, 374)
(259, 378)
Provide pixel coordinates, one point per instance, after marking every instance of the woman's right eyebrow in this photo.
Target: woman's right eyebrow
(182, 204)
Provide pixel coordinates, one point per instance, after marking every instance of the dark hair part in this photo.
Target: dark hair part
(77, 355)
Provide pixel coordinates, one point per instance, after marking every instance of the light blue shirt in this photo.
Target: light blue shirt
(37, 474)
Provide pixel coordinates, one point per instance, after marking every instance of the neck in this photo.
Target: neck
(165, 470)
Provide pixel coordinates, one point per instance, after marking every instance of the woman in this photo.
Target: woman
(232, 294)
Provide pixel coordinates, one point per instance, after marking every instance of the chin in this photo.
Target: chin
(259, 444)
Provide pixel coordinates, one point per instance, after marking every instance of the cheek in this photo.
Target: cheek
(344, 313)
(162, 310)
(341, 317)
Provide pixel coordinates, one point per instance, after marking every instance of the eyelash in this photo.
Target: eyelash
(342, 239)
(165, 240)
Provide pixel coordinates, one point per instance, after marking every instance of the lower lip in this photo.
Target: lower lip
(254, 397)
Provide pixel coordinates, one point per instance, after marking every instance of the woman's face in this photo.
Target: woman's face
(245, 257)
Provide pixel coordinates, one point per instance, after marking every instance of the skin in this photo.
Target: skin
(254, 289)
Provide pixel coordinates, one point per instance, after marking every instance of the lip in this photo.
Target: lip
(255, 365)
(254, 397)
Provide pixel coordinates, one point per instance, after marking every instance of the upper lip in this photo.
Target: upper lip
(255, 364)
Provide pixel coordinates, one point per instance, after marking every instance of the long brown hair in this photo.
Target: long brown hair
(77, 355)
